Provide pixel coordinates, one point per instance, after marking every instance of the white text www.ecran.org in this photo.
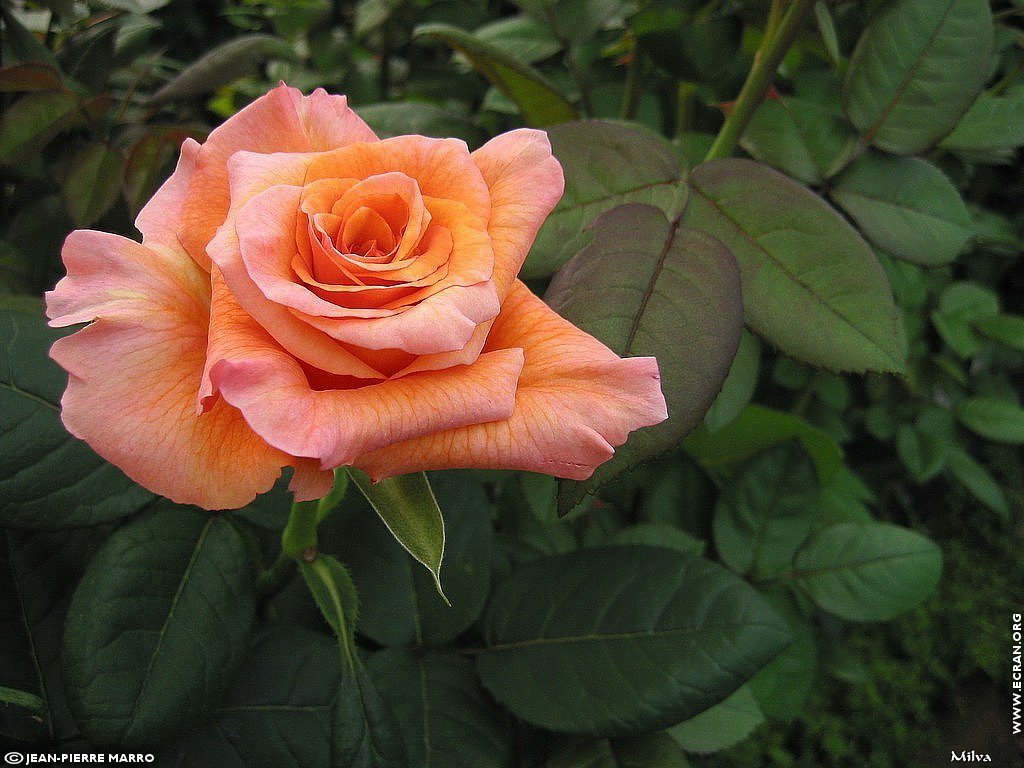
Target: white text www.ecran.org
(1015, 673)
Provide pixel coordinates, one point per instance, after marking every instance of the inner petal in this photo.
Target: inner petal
(366, 233)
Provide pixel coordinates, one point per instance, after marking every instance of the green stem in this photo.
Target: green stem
(298, 542)
(276, 577)
(631, 99)
(766, 61)
(684, 106)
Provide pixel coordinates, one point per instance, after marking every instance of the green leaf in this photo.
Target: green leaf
(92, 185)
(277, 713)
(810, 142)
(961, 306)
(1006, 329)
(721, 726)
(764, 514)
(647, 287)
(540, 102)
(400, 603)
(23, 44)
(752, 432)
(408, 508)
(811, 285)
(364, 733)
(222, 65)
(147, 164)
(651, 750)
(48, 479)
(444, 716)
(697, 50)
(738, 387)
(623, 640)
(916, 69)
(33, 120)
(867, 571)
(993, 124)
(524, 37)
(400, 119)
(905, 206)
(606, 164)
(978, 480)
(157, 626)
(29, 77)
(782, 687)
(658, 535)
(997, 420)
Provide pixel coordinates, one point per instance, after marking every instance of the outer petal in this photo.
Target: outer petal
(158, 219)
(135, 371)
(281, 121)
(253, 373)
(525, 182)
(576, 401)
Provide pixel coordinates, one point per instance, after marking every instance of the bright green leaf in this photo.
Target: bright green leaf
(905, 206)
(811, 285)
(869, 571)
(623, 640)
(647, 287)
(917, 68)
(408, 508)
(1006, 329)
(997, 420)
(158, 626)
(540, 102)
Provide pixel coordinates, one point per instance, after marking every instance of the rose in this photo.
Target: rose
(307, 295)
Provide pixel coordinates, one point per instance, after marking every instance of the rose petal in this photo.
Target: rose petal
(525, 182)
(157, 221)
(281, 121)
(134, 373)
(576, 400)
(253, 373)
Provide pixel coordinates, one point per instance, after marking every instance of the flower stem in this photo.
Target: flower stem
(298, 542)
(773, 49)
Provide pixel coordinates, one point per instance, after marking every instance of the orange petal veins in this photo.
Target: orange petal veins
(134, 373)
(576, 401)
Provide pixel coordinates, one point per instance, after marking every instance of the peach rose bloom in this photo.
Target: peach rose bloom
(309, 296)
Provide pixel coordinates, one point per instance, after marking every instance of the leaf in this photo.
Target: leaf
(23, 44)
(408, 508)
(400, 119)
(905, 206)
(782, 687)
(738, 387)
(811, 285)
(400, 603)
(222, 65)
(147, 164)
(720, 726)
(48, 479)
(764, 514)
(277, 713)
(157, 626)
(33, 120)
(997, 420)
(521, 36)
(651, 750)
(92, 185)
(979, 481)
(916, 69)
(867, 571)
(658, 535)
(364, 733)
(606, 165)
(696, 50)
(752, 432)
(540, 102)
(444, 716)
(29, 77)
(1006, 329)
(961, 306)
(648, 287)
(992, 124)
(623, 640)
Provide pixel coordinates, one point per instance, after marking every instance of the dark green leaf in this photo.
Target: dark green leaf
(978, 480)
(540, 102)
(147, 164)
(444, 716)
(992, 124)
(867, 571)
(400, 119)
(721, 726)
(400, 604)
(917, 68)
(29, 77)
(961, 306)
(998, 420)
(905, 206)
(606, 165)
(524, 37)
(738, 387)
(697, 50)
(766, 511)
(25, 46)
(647, 287)
(157, 626)
(811, 285)
(1006, 329)
(92, 185)
(652, 750)
(48, 479)
(623, 640)
(408, 508)
(782, 687)
(659, 535)
(222, 65)
(33, 120)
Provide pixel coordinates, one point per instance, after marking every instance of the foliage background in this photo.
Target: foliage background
(97, 97)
